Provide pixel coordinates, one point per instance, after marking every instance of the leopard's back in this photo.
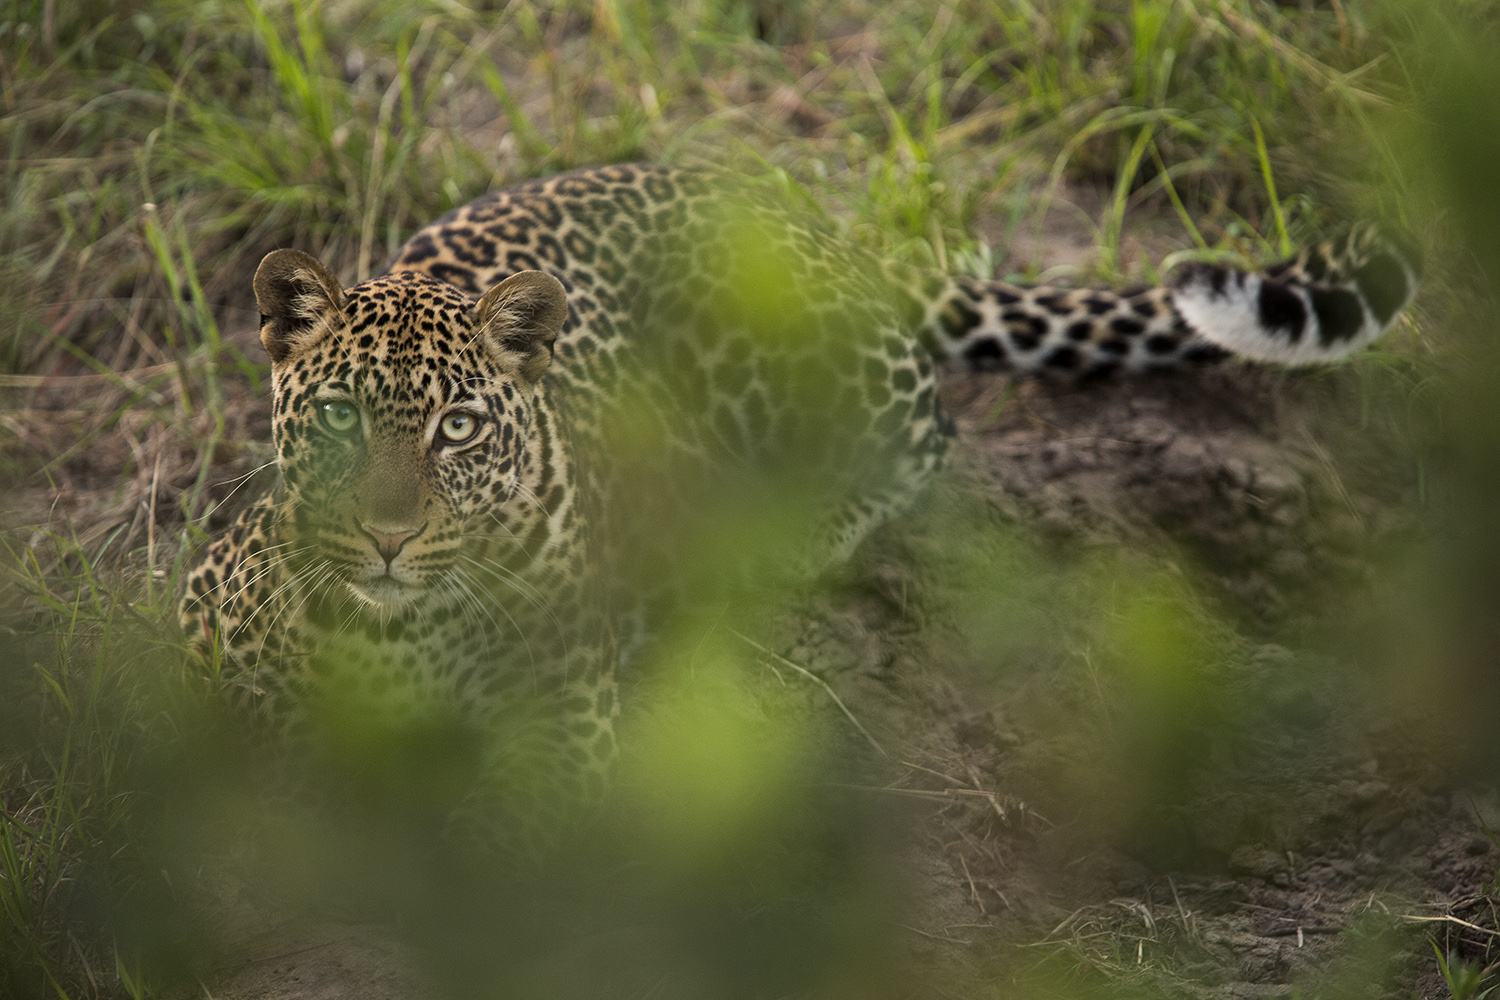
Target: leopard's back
(745, 336)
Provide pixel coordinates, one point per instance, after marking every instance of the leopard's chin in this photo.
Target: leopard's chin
(385, 592)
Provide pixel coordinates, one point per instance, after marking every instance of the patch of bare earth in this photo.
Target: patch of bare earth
(333, 961)
(1320, 845)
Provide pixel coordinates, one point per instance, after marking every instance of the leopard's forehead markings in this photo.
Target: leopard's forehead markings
(408, 337)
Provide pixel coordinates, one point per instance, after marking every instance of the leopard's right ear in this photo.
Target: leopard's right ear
(297, 298)
(520, 319)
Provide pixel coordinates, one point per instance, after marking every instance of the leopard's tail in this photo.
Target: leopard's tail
(1328, 301)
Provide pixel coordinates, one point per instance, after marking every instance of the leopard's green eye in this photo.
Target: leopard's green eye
(457, 428)
(339, 417)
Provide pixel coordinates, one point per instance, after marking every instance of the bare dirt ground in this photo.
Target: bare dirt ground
(1285, 866)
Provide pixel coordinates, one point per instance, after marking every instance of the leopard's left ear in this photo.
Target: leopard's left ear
(298, 299)
(519, 320)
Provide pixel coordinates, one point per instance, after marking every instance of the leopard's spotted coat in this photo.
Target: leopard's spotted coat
(735, 336)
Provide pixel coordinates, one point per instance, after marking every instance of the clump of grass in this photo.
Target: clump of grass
(78, 686)
(248, 130)
(1463, 979)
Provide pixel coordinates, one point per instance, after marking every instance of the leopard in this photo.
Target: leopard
(489, 454)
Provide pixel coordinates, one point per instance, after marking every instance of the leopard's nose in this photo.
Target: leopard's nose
(388, 540)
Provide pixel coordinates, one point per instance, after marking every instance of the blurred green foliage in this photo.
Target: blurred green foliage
(153, 151)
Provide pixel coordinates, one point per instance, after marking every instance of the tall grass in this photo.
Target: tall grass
(153, 152)
(247, 130)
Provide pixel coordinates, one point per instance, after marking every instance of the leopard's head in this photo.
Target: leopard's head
(401, 411)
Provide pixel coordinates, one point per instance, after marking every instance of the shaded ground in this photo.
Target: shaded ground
(325, 962)
(1333, 845)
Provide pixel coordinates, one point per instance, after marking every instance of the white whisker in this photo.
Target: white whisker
(274, 562)
(520, 632)
(527, 592)
(241, 481)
